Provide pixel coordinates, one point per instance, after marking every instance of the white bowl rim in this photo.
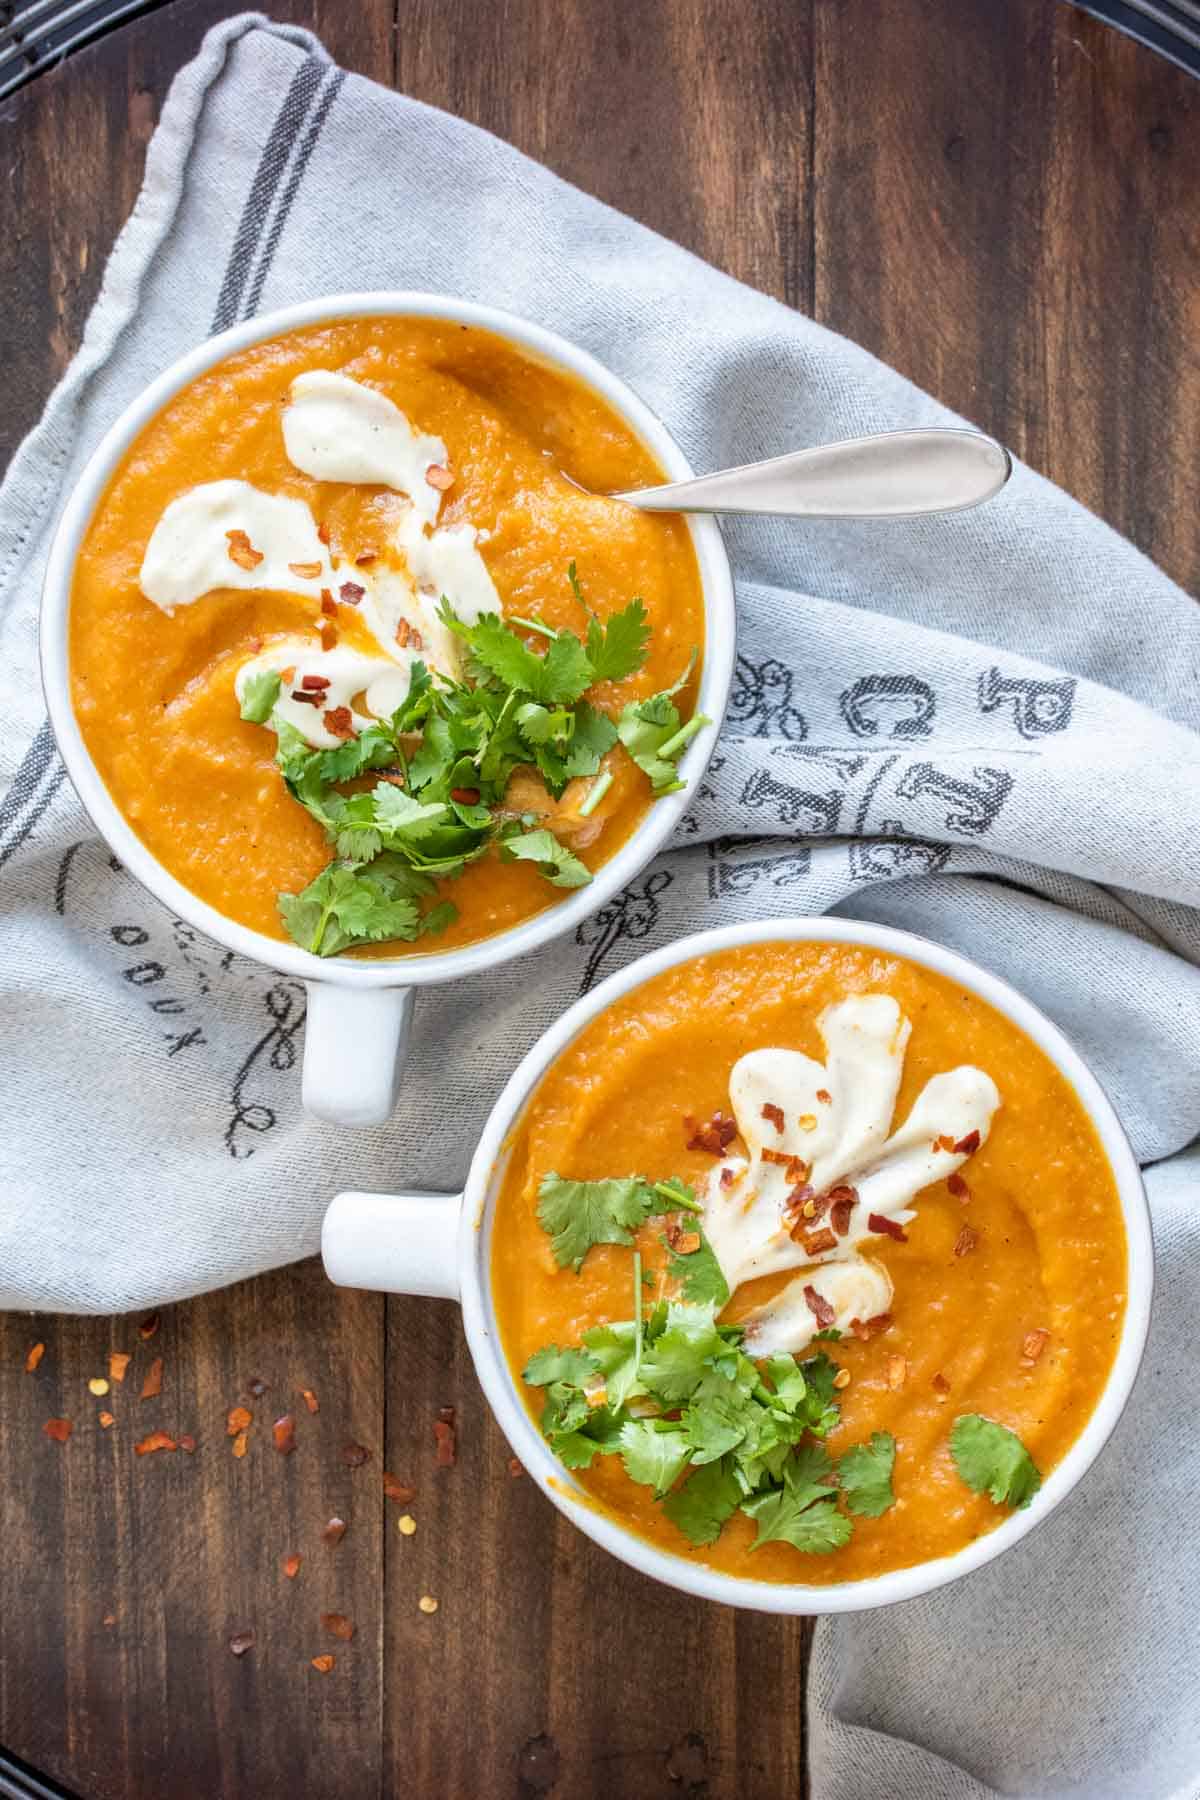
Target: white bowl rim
(697, 1578)
(564, 915)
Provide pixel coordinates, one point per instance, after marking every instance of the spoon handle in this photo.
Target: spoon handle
(897, 474)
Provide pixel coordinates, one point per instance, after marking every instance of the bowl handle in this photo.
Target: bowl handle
(354, 1045)
(394, 1243)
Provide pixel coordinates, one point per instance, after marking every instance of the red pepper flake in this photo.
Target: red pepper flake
(816, 1243)
(291, 1565)
(148, 1327)
(152, 1386)
(727, 1178)
(802, 1206)
(306, 698)
(943, 1143)
(329, 635)
(187, 1442)
(819, 1307)
(408, 637)
(885, 1227)
(794, 1167)
(958, 1187)
(339, 721)
(940, 1385)
(158, 1440)
(824, 1096)
(306, 571)
(242, 551)
(240, 1419)
(715, 1137)
(106, 1421)
(310, 1400)
(465, 796)
(355, 1455)
(315, 684)
(323, 533)
(773, 1114)
(34, 1357)
(443, 1431)
(966, 1241)
(515, 1467)
(397, 1490)
(968, 1145)
(351, 592)
(335, 1531)
(338, 1626)
(866, 1329)
(58, 1429)
(439, 476)
(328, 604)
(241, 1641)
(284, 1433)
(366, 557)
(839, 1213)
(118, 1362)
(1033, 1343)
(323, 1664)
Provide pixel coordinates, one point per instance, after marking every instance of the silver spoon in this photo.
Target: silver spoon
(894, 475)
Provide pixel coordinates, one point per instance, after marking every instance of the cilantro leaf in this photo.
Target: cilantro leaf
(699, 1274)
(577, 1449)
(786, 1517)
(652, 733)
(616, 1352)
(674, 1364)
(992, 1460)
(565, 671)
(788, 1381)
(822, 1409)
(718, 1417)
(373, 748)
(561, 675)
(707, 1499)
(865, 1474)
(578, 1214)
(553, 1364)
(654, 1456)
(259, 696)
(345, 906)
(618, 646)
(559, 866)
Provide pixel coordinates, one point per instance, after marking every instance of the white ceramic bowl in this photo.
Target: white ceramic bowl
(359, 1011)
(441, 1245)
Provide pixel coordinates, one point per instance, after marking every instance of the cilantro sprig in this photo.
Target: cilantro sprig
(708, 1431)
(447, 755)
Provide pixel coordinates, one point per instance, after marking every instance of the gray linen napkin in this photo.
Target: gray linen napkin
(982, 728)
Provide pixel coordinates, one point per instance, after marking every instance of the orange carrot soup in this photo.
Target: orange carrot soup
(359, 648)
(809, 1263)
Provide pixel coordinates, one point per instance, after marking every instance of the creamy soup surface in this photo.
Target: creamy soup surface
(994, 1292)
(517, 501)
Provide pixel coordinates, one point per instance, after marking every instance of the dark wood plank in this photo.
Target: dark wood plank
(543, 1670)
(124, 1576)
(1005, 211)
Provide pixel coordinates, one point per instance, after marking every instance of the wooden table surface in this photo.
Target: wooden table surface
(1000, 199)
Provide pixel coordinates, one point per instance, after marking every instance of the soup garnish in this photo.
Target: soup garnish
(717, 1418)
